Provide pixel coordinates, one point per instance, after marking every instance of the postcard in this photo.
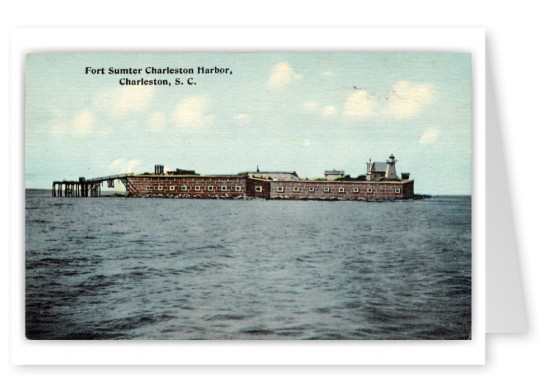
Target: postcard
(235, 196)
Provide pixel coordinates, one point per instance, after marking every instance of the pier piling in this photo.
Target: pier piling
(85, 187)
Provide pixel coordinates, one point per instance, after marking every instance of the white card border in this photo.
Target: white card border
(25, 352)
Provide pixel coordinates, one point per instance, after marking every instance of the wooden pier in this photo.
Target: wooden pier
(86, 187)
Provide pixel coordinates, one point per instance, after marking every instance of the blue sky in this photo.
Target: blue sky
(281, 111)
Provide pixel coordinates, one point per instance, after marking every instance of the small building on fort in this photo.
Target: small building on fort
(377, 171)
(332, 175)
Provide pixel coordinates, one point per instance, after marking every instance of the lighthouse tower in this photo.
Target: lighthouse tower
(391, 168)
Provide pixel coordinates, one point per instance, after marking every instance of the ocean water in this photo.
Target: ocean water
(117, 268)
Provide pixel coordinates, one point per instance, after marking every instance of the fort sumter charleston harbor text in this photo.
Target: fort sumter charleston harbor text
(379, 183)
(151, 70)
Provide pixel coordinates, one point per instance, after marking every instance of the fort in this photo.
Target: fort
(379, 183)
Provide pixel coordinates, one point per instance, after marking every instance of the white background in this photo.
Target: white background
(517, 44)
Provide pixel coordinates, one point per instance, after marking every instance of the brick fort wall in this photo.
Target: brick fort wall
(330, 190)
(187, 186)
(227, 187)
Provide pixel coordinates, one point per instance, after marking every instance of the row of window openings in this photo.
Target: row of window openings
(197, 188)
(281, 189)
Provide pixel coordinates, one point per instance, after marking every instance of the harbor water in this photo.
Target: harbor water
(134, 268)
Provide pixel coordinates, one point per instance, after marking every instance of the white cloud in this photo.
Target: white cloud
(310, 106)
(123, 166)
(83, 122)
(116, 164)
(407, 99)
(126, 100)
(242, 117)
(191, 112)
(131, 165)
(327, 73)
(282, 74)
(430, 136)
(329, 110)
(359, 105)
(314, 107)
(157, 120)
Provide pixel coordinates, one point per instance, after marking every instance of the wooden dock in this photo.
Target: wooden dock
(86, 187)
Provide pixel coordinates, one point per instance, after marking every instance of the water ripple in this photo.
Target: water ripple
(206, 269)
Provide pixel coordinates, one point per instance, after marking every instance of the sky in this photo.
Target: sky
(303, 112)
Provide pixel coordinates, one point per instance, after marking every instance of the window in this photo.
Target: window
(172, 187)
(355, 190)
(237, 188)
(370, 190)
(184, 187)
(258, 189)
(326, 189)
(210, 188)
(311, 189)
(148, 188)
(296, 189)
(397, 191)
(341, 189)
(197, 187)
(224, 188)
(280, 189)
(159, 188)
